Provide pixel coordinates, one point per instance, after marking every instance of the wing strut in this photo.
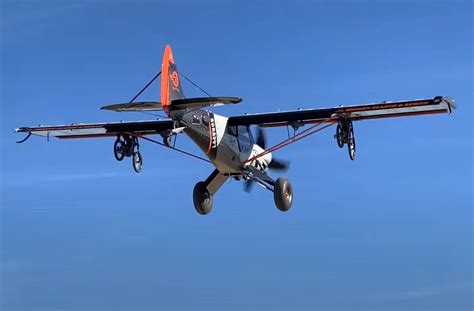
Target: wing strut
(309, 131)
(164, 145)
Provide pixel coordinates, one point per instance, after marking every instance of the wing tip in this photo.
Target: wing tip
(449, 101)
(110, 108)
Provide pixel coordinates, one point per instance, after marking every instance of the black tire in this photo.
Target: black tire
(339, 139)
(118, 149)
(168, 141)
(283, 194)
(137, 162)
(202, 199)
(351, 145)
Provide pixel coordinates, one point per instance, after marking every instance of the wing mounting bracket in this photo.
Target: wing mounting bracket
(296, 125)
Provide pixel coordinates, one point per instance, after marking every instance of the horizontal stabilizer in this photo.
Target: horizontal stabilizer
(137, 106)
(200, 102)
(176, 104)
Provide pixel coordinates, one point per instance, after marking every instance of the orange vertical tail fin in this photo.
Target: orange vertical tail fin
(170, 80)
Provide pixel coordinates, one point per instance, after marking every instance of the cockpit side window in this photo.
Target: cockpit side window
(245, 138)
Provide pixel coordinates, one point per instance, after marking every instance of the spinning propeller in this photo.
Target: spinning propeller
(275, 164)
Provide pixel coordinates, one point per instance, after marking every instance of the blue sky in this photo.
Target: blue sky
(390, 231)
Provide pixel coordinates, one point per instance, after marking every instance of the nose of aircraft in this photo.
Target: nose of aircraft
(265, 159)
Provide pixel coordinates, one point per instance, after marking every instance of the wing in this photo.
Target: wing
(91, 130)
(361, 112)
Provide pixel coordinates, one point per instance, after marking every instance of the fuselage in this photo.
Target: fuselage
(227, 147)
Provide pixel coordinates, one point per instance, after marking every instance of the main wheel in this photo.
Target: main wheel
(137, 162)
(339, 138)
(351, 145)
(119, 147)
(202, 198)
(283, 194)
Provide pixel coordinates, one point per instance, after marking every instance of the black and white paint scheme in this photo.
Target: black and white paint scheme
(228, 142)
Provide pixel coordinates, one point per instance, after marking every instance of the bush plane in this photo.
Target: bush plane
(228, 142)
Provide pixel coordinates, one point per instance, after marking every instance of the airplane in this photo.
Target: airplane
(228, 142)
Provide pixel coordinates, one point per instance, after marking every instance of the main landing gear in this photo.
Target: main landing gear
(127, 146)
(345, 135)
(202, 198)
(282, 194)
(281, 188)
(204, 191)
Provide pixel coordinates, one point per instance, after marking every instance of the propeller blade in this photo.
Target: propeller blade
(279, 165)
(261, 138)
(276, 164)
(248, 185)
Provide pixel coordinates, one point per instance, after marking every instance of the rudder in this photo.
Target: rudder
(170, 80)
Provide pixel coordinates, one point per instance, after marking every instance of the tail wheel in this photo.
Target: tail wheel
(283, 194)
(137, 162)
(339, 136)
(119, 148)
(202, 198)
(351, 144)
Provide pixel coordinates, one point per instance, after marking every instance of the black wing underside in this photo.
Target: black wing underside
(355, 113)
(182, 103)
(92, 130)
